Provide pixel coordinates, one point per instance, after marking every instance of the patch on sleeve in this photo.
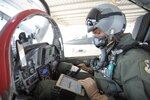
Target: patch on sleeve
(147, 66)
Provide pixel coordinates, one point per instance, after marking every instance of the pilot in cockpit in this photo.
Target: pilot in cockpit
(122, 73)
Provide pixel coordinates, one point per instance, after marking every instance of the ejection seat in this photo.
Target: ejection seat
(141, 30)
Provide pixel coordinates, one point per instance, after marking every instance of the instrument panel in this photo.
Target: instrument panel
(41, 62)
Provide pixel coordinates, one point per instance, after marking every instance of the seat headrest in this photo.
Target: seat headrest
(141, 31)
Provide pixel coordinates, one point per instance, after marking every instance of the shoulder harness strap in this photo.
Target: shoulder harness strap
(134, 45)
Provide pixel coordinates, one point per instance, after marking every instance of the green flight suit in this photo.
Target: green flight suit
(45, 88)
(129, 73)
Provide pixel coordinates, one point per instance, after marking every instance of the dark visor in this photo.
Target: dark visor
(95, 15)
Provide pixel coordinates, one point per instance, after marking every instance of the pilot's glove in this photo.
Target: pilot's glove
(91, 89)
(84, 67)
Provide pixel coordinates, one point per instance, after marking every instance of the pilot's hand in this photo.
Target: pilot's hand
(84, 67)
(91, 89)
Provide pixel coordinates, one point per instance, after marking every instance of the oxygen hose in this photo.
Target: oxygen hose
(96, 64)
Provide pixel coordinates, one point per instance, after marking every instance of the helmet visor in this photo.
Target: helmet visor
(91, 19)
(90, 24)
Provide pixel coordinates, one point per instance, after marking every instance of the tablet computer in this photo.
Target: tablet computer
(68, 83)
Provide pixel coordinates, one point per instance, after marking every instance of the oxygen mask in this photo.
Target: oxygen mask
(100, 42)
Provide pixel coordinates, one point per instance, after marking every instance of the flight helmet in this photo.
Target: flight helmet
(106, 17)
